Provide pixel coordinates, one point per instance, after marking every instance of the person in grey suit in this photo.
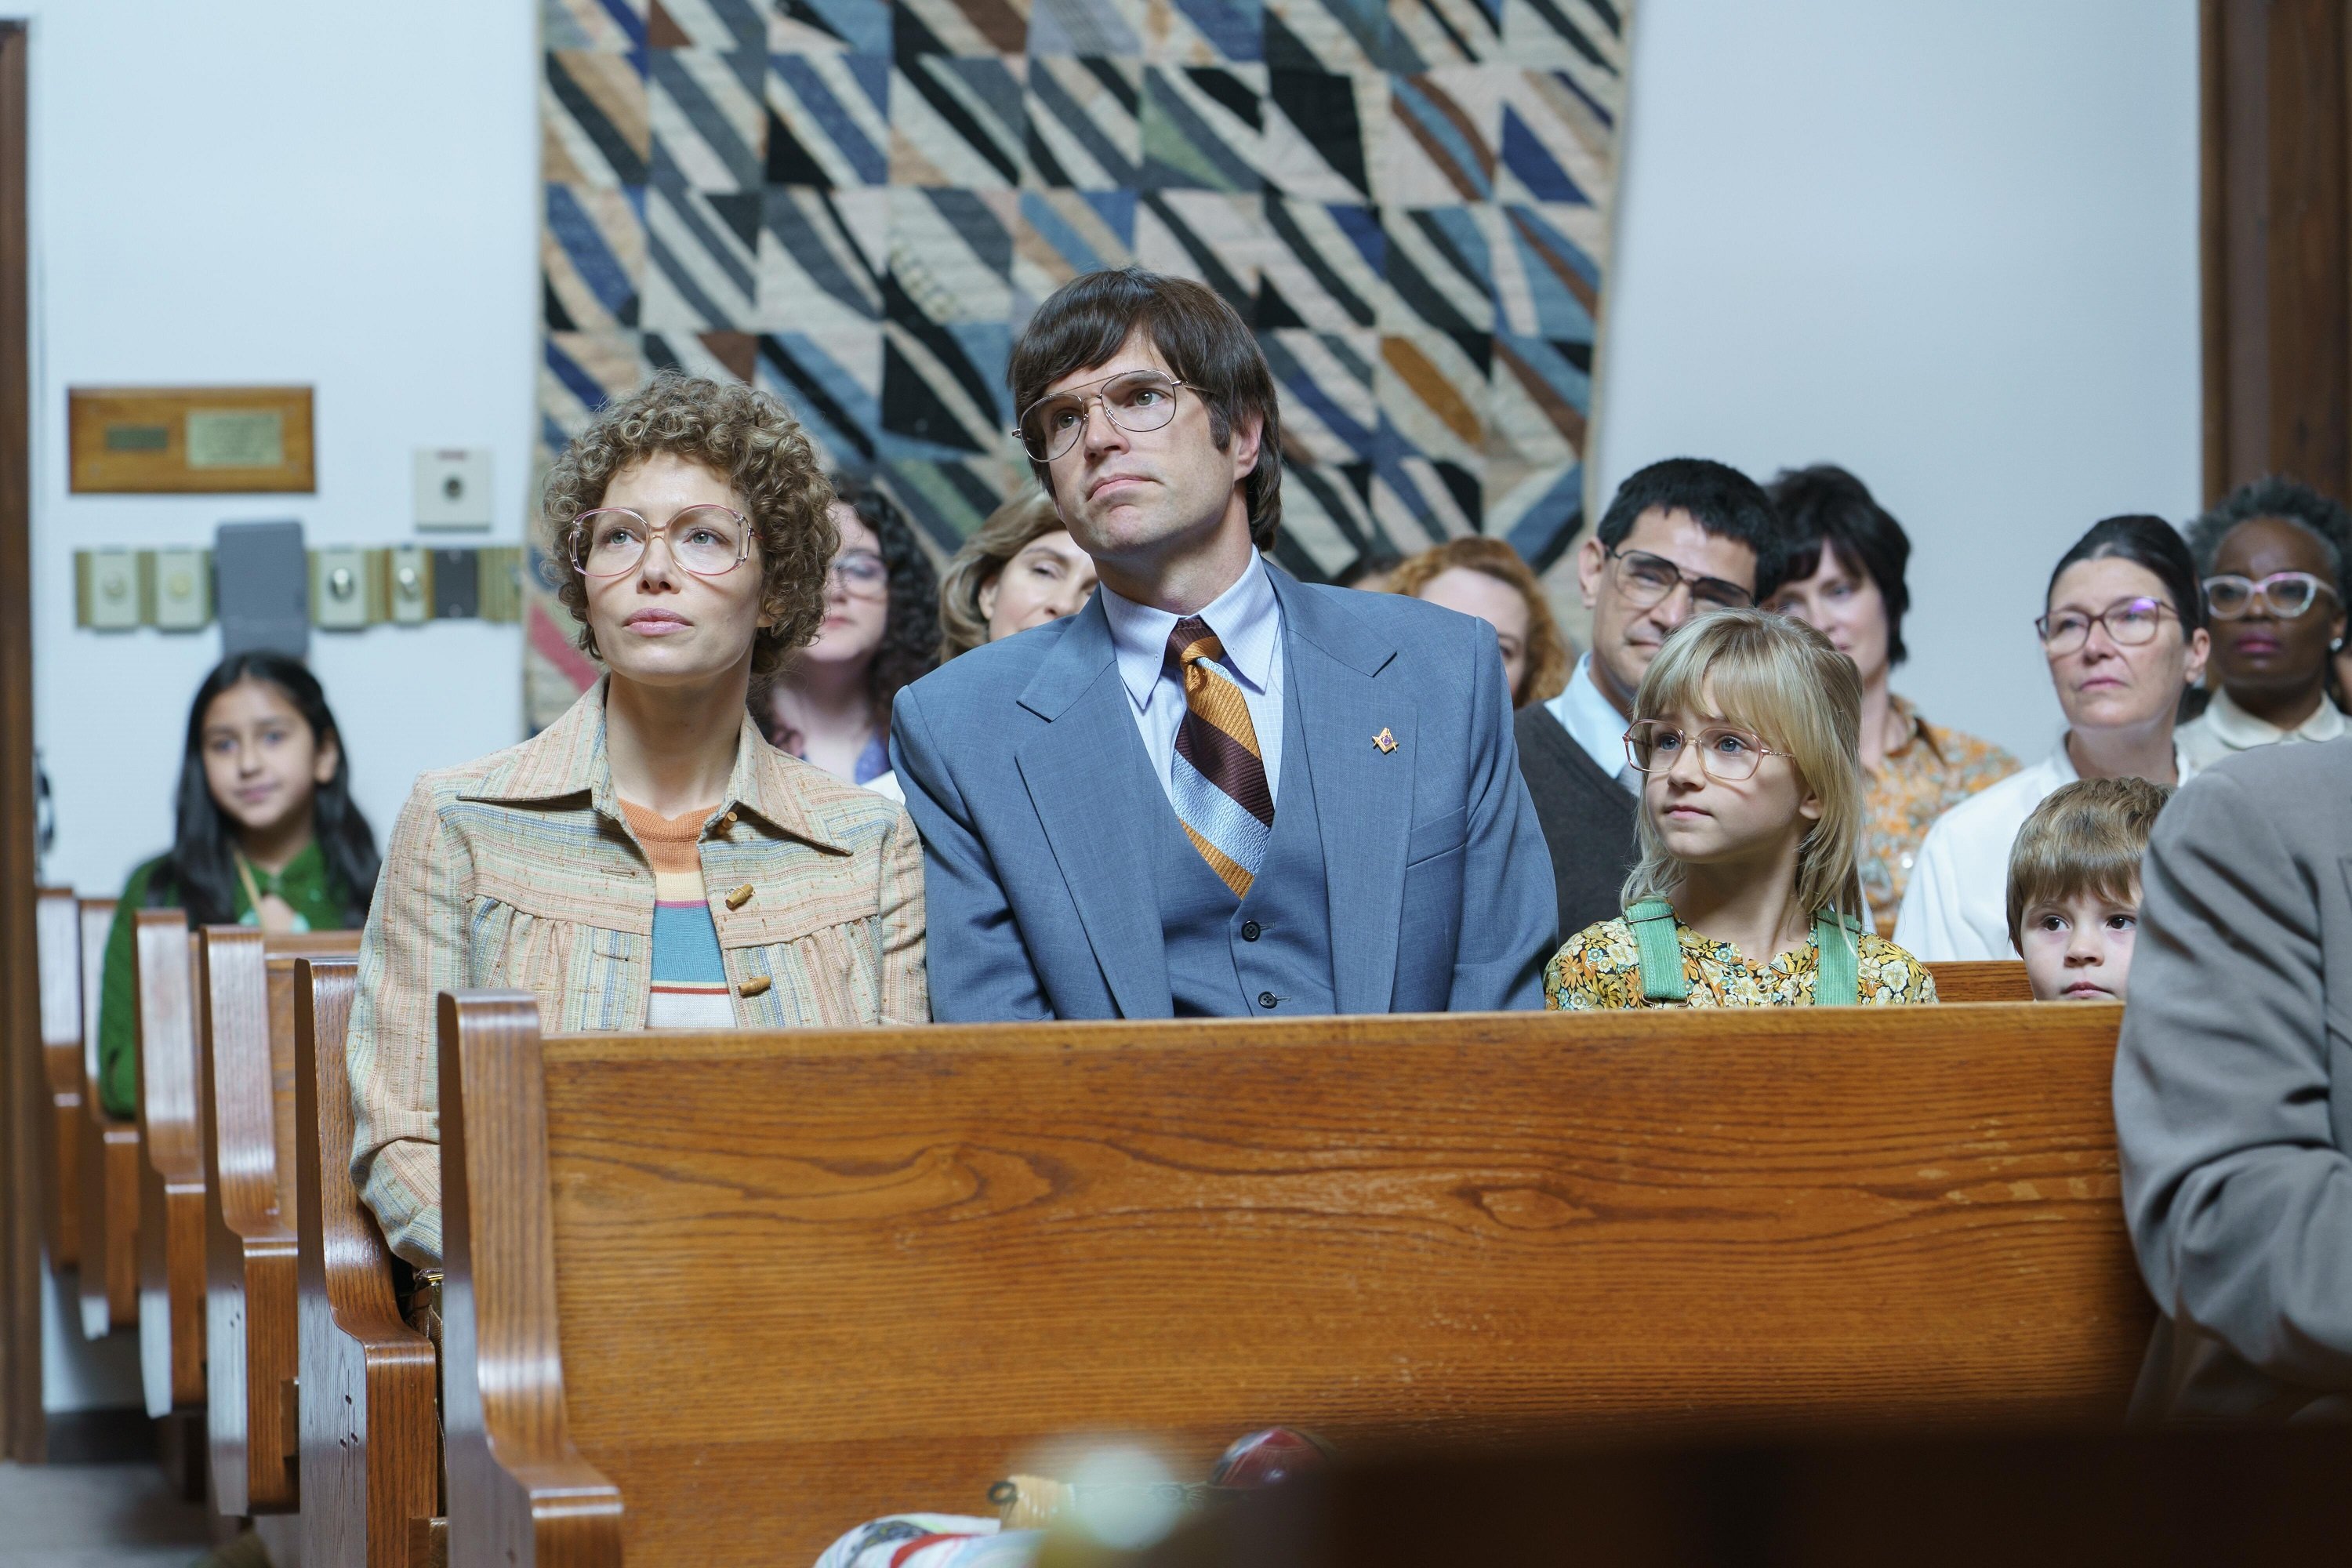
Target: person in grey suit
(1216, 790)
(2234, 1090)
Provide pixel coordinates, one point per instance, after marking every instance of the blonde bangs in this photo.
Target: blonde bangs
(1783, 681)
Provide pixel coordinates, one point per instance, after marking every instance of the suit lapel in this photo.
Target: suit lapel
(1363, 795)
(1086, 776)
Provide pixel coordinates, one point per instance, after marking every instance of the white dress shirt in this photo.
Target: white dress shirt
(1247, 619)
(2225, 730)
(1594, 725)
(1957, 906)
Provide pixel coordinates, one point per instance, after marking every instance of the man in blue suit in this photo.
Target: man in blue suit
(1216, 790)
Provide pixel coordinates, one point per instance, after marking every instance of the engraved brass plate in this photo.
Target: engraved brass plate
(197, 440)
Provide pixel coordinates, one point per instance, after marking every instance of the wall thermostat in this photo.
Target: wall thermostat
(453, 488)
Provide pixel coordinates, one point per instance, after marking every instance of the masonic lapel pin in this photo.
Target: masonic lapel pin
(1384, 740)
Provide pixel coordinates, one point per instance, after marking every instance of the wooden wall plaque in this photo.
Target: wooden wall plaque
(190, 440)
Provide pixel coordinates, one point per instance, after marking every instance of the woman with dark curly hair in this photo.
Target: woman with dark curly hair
(648, 860)
(830, 704)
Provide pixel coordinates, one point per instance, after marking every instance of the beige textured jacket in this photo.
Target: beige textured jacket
(519, 870)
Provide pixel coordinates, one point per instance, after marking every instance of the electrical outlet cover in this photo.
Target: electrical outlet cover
(112, 600)
(411, 587)
(453, 488)
(184, 590)
(339, 590)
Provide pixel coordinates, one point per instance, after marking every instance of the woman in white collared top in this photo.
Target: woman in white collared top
(2124, 632)
(2273, 558)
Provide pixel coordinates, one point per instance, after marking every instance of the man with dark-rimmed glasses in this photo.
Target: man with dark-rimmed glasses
(1682, 537)
(1214, 790)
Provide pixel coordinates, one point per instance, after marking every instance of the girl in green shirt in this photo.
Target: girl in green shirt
(267, 836)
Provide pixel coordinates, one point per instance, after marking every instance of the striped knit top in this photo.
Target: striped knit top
(689, 978)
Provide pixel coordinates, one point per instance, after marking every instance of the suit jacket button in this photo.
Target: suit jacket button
(756, 986)
(1267, 998)
(740, 897)
(1249, 931)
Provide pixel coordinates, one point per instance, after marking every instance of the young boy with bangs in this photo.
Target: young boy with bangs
(2073, 887)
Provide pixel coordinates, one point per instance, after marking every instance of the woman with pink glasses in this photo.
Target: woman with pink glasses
(2123, 627)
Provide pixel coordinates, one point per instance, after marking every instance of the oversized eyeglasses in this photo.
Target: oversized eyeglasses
(2285, 594)
(708, 540)
(1136, 401)
(2131, 623)
(1726, 753)
(1646, 580)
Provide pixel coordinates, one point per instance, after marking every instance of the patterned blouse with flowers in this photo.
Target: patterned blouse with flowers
(1599, 968)
(1931, 772)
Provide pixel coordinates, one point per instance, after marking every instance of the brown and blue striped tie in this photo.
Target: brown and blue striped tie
(1218, 775)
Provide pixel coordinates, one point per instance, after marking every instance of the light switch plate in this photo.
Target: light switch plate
(339, 590)
(411, 587)
(183, 590)
(107, 589)
(453, 488)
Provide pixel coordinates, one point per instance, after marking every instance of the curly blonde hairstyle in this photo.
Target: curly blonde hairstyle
(1547, 660)
(744, 436)
(1010, 529)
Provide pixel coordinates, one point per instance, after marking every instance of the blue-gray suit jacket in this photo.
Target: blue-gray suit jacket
(1026, 775)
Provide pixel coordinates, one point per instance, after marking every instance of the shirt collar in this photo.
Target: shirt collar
(1590, 720)
(1246, 618)
(568, 759)
(2241, 730)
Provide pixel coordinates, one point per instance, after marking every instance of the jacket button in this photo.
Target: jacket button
(1249, 931)
(755, 986)
(1267, 998)
(740, 897)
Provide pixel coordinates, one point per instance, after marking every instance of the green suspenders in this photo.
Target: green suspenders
(1837, 984)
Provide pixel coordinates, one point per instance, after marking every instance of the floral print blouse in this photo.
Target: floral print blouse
(1931, 772)
(1600, 967)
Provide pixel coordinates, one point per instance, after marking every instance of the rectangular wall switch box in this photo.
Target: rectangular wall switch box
(409, 587)
(261, 578)
(340, 600)
(453, 489)
(181, 590)
(457, 585)
(106, 589)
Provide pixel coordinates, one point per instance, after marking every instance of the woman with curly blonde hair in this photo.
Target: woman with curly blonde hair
(1486, 578)
(649, 861)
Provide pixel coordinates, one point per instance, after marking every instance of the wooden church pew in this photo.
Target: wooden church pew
(57, 927)
(172, 1175)
(245, 1007)
(714, 1298)
(1987, 980)
(108, 1285)
(370, 1417)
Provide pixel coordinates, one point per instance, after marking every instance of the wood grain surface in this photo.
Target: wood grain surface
(247, 1056)
(172, 1175)
(369, 1418)
(58, 929)
(107, 1286)
(798, 1279)
(1987, 980)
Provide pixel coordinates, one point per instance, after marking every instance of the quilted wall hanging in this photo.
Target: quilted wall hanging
(856, 204)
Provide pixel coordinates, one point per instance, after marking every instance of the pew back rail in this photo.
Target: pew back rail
(110, 1162)
(791, 1281)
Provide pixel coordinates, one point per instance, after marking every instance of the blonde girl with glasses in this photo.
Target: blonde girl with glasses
(1746, 733)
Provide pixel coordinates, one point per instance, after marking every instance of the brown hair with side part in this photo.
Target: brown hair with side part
(745, 437)
(1206, 345)
(1547, 650)
(1010, 529)
(2087, 837)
